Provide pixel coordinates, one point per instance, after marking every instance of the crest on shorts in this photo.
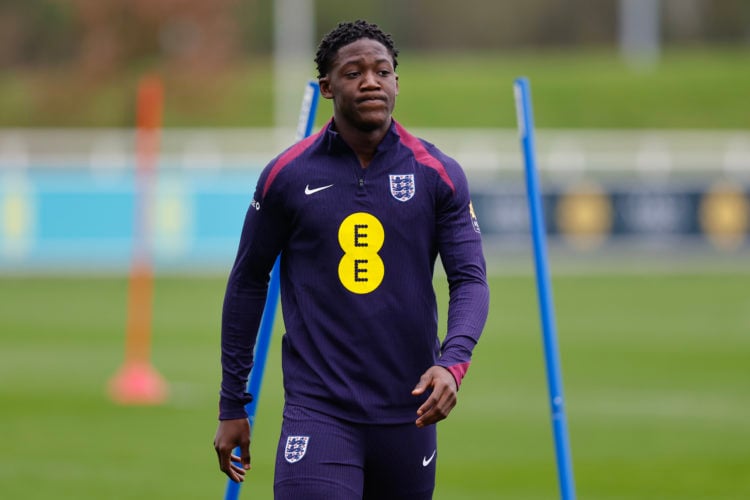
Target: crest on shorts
(296, 447)
(402, 186)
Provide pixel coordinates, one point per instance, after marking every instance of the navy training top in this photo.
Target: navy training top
(358, 249)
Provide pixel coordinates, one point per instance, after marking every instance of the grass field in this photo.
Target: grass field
(655, 366)
(702, 88)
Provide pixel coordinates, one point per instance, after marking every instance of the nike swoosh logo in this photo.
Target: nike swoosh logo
(309, 191)
(426, 461)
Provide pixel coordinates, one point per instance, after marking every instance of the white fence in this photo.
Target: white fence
(483, 152)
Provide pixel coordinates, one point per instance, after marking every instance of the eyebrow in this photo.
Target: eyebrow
(358, 60)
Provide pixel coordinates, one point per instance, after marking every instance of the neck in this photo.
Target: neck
(364, 143)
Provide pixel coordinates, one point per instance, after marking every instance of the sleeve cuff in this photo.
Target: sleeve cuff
(458, 371)
(230, 409)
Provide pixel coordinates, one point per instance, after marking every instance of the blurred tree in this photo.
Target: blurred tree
(192, 35)
(701, 21)
(34, 32)
(254, 18)
(684, 19)
(103, 36)
(728, 21)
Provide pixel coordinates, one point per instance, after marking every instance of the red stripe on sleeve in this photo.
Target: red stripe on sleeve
(423, 156)
(458, 371)
(289, 155)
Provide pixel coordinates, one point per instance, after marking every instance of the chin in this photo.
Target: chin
(373, 123)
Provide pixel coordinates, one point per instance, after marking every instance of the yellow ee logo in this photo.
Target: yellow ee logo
(361, 269)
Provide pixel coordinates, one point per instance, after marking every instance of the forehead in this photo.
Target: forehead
(364, 49)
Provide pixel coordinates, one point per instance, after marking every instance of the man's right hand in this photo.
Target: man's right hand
(230, 435)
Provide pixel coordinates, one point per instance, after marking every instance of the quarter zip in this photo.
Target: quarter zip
(360, 174)
(361, 182)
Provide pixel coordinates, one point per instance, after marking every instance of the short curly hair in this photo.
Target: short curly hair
(346, 33)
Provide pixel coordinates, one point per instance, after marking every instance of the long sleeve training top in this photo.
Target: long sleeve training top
(358, 248)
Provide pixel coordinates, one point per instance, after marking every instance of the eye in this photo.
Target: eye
(384, 72)
(352, 74)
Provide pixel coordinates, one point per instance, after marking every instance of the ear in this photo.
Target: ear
(325, 87)
(396, 83)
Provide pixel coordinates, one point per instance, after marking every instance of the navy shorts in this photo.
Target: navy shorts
(323, 458)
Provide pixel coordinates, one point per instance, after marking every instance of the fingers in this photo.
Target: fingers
(436, 408)
(230, 435)
(442, 399)
(236, 471)
(422, 385)
(245, 460)
(229, 464)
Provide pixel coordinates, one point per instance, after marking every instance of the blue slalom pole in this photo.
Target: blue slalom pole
(525, 117)
(262, 343)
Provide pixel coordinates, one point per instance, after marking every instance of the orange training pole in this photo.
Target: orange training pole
(137, 382)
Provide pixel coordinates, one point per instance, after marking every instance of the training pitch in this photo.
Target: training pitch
(655, 370)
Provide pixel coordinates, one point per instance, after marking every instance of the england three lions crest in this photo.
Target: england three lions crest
(296, 447)
(402, 186)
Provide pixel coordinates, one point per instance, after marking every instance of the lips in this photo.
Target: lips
(372, 99)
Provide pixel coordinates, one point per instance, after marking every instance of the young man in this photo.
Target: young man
(359, 212)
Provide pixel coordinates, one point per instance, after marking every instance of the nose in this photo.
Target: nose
(370, 80)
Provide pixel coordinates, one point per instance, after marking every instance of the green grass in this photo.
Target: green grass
(655, 367)
(588, 89)
(591, 88)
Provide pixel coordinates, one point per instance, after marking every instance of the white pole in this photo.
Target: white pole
(294, 27)
(640, 31)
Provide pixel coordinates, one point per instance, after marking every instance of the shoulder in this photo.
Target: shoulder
(285, 161)
(427, 154)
